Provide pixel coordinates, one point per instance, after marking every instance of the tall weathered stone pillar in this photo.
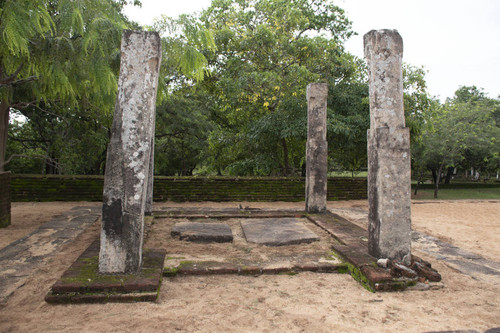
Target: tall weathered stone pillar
(316, 148)
(129, 154)
(388, 149)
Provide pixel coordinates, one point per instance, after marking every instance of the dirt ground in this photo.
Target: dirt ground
(306, 302)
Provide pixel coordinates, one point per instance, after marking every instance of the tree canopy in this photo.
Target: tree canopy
(60, 58)
(464, 132)
(267, 53)
(231, 97)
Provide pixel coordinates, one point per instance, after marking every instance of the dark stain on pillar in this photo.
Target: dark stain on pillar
(112, 217)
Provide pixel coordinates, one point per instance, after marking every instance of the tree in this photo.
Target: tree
(182, 126)
(461, 127)
(349, 120)
(58, 54)
(183, 63)
(70, 141)
(182, 129)
(267, 53)
(418, 104)
(71, 133)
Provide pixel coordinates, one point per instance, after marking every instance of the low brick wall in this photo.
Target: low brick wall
(5, 192)
(89, 188)
(56, 188)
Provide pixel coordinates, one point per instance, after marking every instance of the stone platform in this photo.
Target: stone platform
(350, 246)
(21, 258)
(82, 283)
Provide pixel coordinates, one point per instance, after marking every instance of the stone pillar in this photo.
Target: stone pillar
(316, 148)
(129, 154)
(388, 150)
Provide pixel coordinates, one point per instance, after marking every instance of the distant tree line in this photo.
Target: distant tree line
(231, 98)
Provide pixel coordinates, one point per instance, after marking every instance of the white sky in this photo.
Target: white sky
(457, 41)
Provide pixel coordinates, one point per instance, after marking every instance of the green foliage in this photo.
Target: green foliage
(231, 98)
(182, 128)
(71, 54)
(463, 132)
(418, 104)
(460, 193)
(69, 141)
(347, 125)
(183, 40)
(16, 33)
(60, 72)
(267, 53)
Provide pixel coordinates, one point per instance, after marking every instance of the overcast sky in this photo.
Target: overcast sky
(457, 41)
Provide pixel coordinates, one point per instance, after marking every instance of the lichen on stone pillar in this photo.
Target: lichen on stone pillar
(389, 182)
(316, 148)
(129, 154)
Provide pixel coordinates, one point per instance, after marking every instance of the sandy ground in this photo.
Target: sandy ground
(306, 302)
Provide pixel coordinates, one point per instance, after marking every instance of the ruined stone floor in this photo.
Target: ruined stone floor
(274, 242)
(23, 256)
(234, 241)
(238, 256)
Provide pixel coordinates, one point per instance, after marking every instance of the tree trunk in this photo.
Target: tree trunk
(449, 174)
(436, 187)
(285, 157)
(419, 181)
(434, 176)
(4, 130)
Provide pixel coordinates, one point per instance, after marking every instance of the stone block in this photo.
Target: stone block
(277, 231)
(202, 232)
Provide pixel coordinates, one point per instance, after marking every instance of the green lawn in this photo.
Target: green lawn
(458, 193)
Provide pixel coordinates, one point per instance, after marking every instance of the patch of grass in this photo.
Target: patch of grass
(358, 276)
(170, 271)
(173, 270)
(175, 258)
(459, 193)
(89, 273)
(361, 174)
(354, 271)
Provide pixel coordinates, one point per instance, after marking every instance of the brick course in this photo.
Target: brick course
(89, 188)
